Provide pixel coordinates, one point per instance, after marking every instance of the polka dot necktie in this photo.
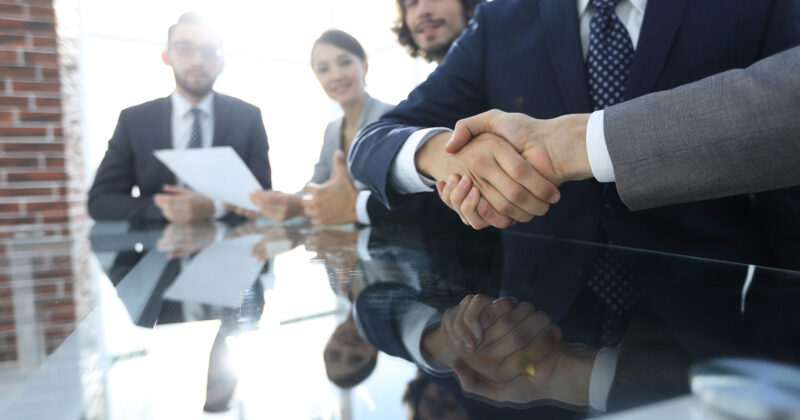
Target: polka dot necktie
(612, 283)
(196, 140)
(610, 55)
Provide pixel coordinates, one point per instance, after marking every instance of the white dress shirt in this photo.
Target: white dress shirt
(404, 176)
(182, 123)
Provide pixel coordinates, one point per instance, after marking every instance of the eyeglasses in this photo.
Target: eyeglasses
(187, 49)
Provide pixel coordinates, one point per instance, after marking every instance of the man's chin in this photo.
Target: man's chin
(196, 89)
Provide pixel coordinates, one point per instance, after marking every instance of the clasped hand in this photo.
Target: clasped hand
(510, 166)
(509, 352)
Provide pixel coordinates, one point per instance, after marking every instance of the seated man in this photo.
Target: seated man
(193, 116)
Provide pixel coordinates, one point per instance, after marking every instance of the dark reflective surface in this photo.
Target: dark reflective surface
(257, 320)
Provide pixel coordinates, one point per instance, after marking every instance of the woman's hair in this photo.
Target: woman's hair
(342, 40)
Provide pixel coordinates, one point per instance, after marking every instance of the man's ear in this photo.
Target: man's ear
(165, 58)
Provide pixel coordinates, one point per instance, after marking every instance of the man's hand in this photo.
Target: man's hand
(555, 148)
(248, 214)
(503, 177)
(334, 201)
(516, 336)
(563, 375)
(277, 205)
(180, 239)
(508, 352)
(275, 240)
(182, 205)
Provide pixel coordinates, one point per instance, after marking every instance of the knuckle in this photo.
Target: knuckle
(505, 208)
(518, 169)
(518, 194)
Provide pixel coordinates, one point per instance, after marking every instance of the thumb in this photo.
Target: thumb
(312, 188)
(339, 165)
(468, 128)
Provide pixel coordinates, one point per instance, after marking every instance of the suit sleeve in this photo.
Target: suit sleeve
(258, 155)
(454, 90)
(729, 134)
(110, 195)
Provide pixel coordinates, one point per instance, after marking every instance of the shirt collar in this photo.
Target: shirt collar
(639, 5)
(181, 106)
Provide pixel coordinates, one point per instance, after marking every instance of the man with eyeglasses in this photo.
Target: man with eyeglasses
(193, 116)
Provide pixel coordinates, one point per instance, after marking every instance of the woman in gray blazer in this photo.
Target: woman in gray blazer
(340, 64)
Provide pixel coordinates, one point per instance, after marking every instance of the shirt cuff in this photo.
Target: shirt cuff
(219, 209)
(361, 207)
(605, 366)
(413, 324)
(404, 176)
(599, 158)
(362, 244)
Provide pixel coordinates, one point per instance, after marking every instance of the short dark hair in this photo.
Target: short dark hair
(404, 32)
(356, 377)
(342, 40)
(189, 17)
(413, 394)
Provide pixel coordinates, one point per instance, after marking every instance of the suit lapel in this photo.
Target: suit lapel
(162, 135)
(661, 21)
(162, 124)
(560, 20)
(221, 121)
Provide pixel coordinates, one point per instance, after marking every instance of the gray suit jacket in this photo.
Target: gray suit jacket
(373, 109)
(733, 133)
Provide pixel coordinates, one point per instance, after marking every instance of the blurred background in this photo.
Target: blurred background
(267, 47)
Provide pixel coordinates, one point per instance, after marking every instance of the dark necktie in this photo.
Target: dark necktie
(610, 55)
(612, 283)
(196, 141)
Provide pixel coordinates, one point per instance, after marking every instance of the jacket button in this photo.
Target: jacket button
(609, 208)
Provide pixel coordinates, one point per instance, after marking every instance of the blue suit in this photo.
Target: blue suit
(525, 56)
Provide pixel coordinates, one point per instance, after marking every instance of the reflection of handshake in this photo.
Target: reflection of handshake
(500, 168)
(509, 352)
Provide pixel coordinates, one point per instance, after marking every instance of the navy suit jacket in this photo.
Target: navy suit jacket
(525, 56)
(145, 128)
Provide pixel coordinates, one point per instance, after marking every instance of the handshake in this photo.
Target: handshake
(500, 168)
(509, 352)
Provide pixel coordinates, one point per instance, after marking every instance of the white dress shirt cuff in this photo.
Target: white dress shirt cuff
(599, 158)
(361, 207)
(414, 322)
(605, 366)
(219, 209)
(403, 174)
(362, 244)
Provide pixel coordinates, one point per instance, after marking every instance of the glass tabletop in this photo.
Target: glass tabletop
(257, 320)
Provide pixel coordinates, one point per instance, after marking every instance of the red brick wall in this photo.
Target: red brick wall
(43, 248)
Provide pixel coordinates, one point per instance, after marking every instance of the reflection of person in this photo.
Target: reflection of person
(193, 116)
(550, 79)
(427, 400)
(340, 64)
(737, 133)
(427, 28)
(349, 359)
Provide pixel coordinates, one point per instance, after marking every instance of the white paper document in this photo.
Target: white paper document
(216, 172)
(219, 274)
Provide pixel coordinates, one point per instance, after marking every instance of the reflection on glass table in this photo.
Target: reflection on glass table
(258, 320)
